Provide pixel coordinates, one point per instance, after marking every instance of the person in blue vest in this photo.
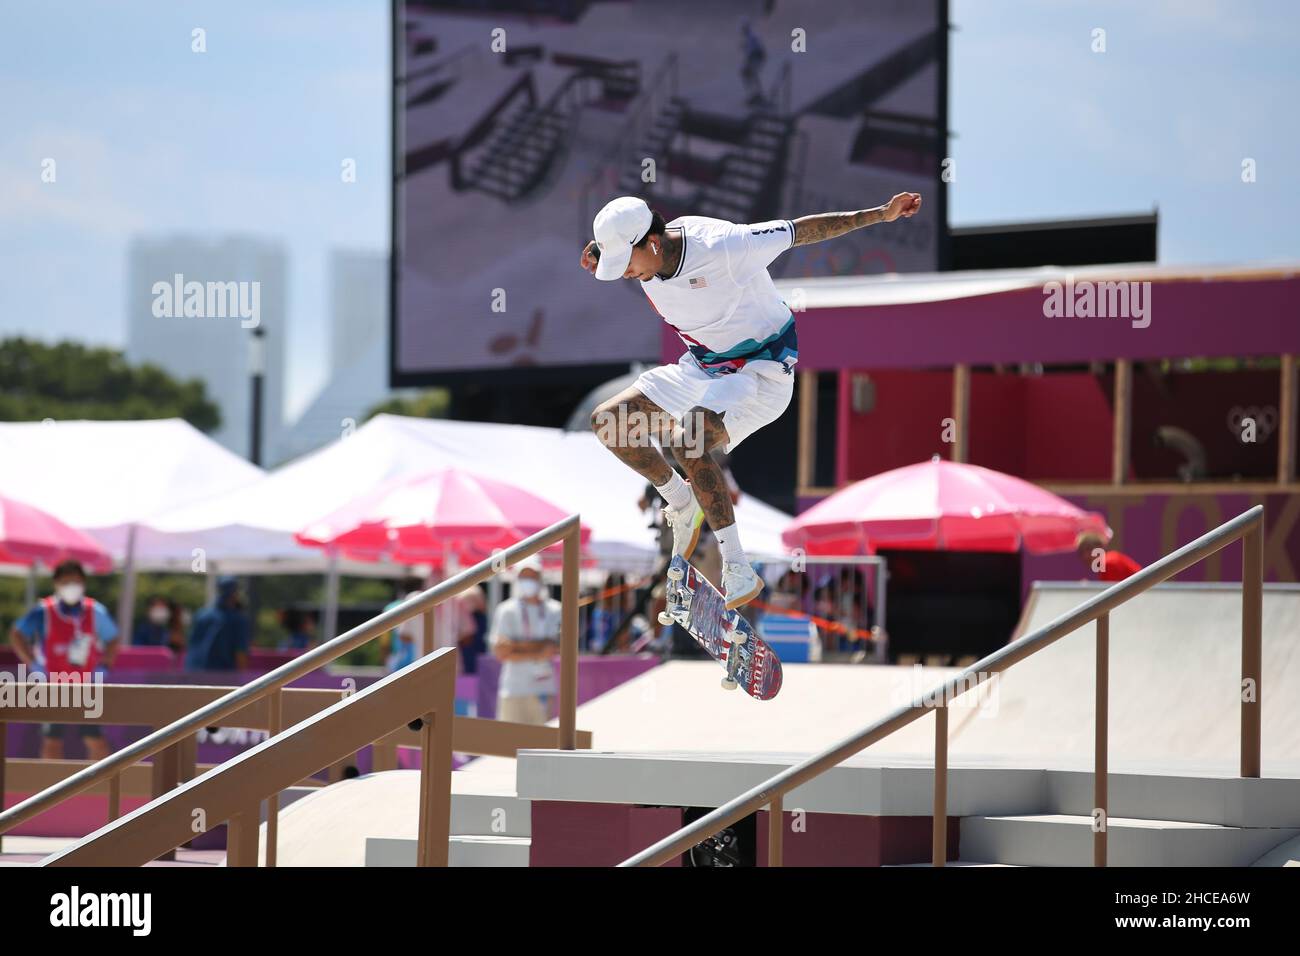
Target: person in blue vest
(67, 636)
(221, 632)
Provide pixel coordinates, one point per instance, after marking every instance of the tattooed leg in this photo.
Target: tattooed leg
(626, 425)
(691, 447)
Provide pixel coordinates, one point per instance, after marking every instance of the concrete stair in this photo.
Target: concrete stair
(1061, 839)
(490, 826)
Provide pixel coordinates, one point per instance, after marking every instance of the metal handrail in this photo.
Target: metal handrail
(566, 530)
(232, 792)
(1247, 525)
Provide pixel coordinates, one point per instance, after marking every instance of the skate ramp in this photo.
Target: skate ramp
(1175, 670)
(1175, 664)
(1174, 673)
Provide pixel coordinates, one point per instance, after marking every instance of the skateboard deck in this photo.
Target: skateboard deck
(729, 639)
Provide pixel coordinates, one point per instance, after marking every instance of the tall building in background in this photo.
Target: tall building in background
(358, 305)
(358, 379)
(213, 348)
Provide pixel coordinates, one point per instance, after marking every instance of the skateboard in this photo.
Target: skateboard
(697, 606)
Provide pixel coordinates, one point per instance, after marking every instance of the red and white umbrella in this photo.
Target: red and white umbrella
(28, 534)
(942, 505)
(428, 517)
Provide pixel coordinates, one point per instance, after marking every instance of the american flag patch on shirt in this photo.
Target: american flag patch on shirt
(699, 282)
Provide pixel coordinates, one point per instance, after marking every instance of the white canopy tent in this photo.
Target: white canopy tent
(160, 494)
(109, 478)
(570, 469)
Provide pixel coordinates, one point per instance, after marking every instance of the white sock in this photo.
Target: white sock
(729, 544)
(677, 493)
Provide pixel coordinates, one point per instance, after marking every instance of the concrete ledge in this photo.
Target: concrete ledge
(903, 786)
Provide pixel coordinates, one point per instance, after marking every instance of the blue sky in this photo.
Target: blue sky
(248, 137)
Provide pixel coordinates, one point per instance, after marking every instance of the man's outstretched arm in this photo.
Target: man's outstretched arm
(828, 225)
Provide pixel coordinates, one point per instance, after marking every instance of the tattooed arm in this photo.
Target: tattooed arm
(828, 225)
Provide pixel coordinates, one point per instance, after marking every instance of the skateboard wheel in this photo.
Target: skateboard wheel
(665, 618)
(675, 574)
(729, 683)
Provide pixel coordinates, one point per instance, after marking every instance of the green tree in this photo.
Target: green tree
(432, 403)
(69, 381)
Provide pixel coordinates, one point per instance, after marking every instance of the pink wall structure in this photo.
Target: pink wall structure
(1189, 317)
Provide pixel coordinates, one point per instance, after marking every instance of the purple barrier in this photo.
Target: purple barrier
(145, 659)
(596, 674)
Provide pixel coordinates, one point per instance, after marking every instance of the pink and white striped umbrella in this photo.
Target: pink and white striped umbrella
(28, 534)
(427, 517)
(942, 505)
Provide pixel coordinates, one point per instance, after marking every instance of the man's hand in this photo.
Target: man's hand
(588, 258)
(905, 205)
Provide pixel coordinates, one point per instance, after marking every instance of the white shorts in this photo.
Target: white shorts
(747, 400)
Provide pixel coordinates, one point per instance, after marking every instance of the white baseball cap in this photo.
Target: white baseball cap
(530, 563)
(618, 227)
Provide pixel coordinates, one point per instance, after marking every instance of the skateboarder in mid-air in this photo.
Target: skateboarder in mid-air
(708, 279)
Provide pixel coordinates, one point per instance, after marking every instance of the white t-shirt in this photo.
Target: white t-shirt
(721, 300)
(517, 620)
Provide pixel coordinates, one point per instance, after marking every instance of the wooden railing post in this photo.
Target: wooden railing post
(114, 797)
(1101, 732)
(940, 832)
(1121, 422)
(242, 837)
(776, 831)
(435, 777)
(568, 723)
(167, 777)
(274, 724)
(961, 412)
(1252, 625)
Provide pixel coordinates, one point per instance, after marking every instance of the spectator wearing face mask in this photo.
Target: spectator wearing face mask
(525, 638)
(221, 632)
(67, 636)
(155, 630)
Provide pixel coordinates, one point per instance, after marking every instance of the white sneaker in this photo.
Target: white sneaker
(740, 584)
(686, 525)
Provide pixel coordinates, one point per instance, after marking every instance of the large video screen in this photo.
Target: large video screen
(518, 119)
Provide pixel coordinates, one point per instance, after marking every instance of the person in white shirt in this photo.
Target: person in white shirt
(525, 637)
(708, 279)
